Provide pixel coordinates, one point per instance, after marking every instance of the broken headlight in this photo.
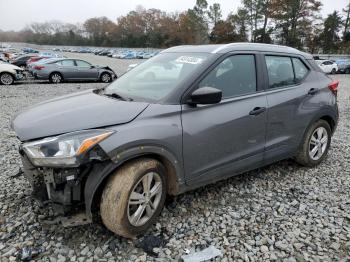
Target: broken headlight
(63, 150)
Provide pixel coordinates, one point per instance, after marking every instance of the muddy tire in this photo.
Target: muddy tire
(134, 197)
(315, 144)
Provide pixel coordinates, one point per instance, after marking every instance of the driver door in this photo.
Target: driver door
(229, 137)
(84, 70)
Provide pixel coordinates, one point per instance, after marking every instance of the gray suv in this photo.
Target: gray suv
(190, 116)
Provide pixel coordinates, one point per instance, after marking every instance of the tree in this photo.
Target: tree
(99, 30)
(293, 17)
(259, 13)
(240, 22)
(223, 32)
(346, 10)
(330, 38)
(214, 14)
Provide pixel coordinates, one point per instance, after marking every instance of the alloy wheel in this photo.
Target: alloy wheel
(56, 78)
(144, 199)
(6, 79)
(106, 78)
(318, 143)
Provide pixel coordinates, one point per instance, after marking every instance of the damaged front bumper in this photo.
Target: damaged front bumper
(62, 189)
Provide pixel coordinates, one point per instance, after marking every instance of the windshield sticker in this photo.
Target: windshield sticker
(189, 60)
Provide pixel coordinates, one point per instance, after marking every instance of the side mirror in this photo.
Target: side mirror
(92, 66)
(205, 96)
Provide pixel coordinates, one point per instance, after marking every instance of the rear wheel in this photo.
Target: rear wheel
(6, 79)
(106, 77)
(56, 78)
(134, 197)
(333, 71)
(315, 145)
(347, 71)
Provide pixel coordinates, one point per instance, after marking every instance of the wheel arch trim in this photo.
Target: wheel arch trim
(100, 172)
(322, 114)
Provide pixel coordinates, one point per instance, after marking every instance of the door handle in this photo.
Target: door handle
(312, 91)
(257, 111)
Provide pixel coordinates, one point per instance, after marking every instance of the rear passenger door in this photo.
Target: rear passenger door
(222, 139)
(289, 97)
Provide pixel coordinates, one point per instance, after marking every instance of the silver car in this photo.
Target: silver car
(66, 69)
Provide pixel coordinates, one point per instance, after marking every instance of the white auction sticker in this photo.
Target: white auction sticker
(189, 60)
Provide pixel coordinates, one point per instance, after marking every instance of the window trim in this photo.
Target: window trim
(290, 56)
(259, 76)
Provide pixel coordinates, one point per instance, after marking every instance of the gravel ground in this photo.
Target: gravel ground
(282, 212)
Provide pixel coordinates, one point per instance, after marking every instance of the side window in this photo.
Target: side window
(81, 63)
(67, 63)
(280, 71)
(234, 76)
(300, 69)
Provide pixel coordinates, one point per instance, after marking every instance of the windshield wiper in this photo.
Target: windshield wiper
(117, 96)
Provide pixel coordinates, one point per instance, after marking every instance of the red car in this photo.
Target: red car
(35, 59)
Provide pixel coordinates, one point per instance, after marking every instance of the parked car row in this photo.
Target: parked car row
(115, 53)
(50, 66)
(341, 66)
(126, 54)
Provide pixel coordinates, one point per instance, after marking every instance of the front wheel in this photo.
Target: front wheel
(6, 79)
(134, 197)
(106, 77)
(315, 145)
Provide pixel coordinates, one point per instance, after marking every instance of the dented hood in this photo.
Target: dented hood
(83, 110)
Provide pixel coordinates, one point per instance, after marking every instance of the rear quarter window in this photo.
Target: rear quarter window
(300, 69)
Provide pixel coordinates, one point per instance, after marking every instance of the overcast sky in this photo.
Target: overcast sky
(16, 14)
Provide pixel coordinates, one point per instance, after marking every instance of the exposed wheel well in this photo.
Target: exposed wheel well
(172, 182)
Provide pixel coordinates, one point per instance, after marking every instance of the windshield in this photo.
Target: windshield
(156, 78)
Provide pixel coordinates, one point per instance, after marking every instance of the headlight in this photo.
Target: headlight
(63, 150)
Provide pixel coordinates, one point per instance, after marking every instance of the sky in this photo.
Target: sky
(16, 14)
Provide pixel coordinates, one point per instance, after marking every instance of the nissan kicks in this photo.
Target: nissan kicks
(190, 116)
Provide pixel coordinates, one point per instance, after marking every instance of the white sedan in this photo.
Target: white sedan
(328, 66)
(10, 73)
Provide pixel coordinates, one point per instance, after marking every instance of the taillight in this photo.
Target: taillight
(39, 67)
(333, 86)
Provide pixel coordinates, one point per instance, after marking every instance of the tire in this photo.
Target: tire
(334, 71)
(105, 77)
(304, 155)
(347, 71)
(56, 78)
(7, 79)
(117, 212)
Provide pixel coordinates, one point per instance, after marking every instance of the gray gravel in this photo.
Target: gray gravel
(282, 212)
